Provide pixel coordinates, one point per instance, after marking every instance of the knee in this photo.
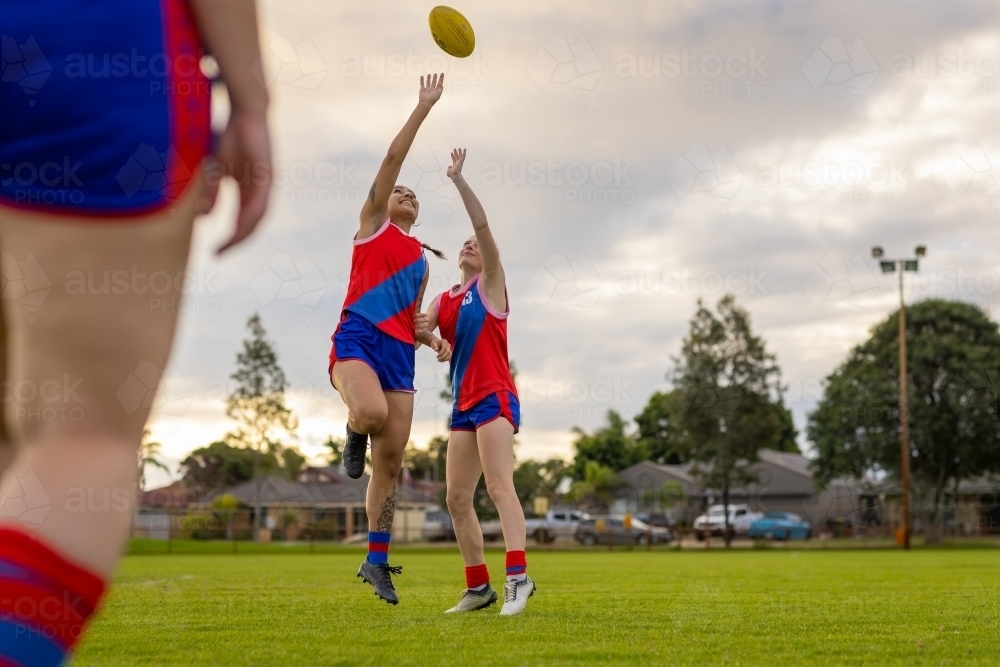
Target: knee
(370, 419)
(501, 492)
(459, 501)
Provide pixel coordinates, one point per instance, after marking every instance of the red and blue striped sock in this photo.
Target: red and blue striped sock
(378, 547)
(517, 565)
(46, 601)
(476, 576)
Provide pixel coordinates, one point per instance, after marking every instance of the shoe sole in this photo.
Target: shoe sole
(350, 473)
(488, 604)
(365, 580)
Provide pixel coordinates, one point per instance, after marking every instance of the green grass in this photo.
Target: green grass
(743, 607)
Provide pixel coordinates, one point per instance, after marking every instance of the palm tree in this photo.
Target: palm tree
(148, 455)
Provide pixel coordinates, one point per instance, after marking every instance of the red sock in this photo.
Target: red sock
(476, 576)
(517, 564)
(46, 601)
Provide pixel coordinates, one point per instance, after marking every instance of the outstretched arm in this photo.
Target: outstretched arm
(374, 209)
(493, 279)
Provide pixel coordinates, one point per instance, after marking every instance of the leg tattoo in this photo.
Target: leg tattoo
(386, 511)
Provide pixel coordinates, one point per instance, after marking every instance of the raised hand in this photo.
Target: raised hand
(457, 162)
(431, 89)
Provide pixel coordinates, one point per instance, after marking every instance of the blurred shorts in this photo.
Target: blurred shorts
(106, 111)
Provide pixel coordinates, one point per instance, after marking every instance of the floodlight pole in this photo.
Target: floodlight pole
(904, 419)
(888, 266)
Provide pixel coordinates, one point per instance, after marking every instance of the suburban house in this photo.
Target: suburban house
(320, 503)
(784, 483)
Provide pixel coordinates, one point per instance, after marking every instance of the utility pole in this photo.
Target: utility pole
(889, 266)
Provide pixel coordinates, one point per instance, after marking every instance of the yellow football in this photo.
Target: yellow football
(452, 32)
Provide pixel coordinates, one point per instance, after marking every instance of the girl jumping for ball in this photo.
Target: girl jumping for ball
(472, 317)
(372, 358)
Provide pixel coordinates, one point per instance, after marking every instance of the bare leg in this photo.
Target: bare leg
(496, 452)
(387, 458)
(463, 473)
(361, 391)
(94, 350)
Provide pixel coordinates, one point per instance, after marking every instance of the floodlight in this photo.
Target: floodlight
(888, 267)
(921, 250)
(877, 252)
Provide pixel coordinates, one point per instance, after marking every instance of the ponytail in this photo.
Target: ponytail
(437, 253)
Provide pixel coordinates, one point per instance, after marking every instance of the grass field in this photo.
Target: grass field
(759, 607)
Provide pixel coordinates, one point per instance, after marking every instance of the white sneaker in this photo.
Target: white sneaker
(515, 596)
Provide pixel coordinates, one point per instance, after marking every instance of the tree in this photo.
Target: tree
(953, 363)
(220, 465)
(727, 399)
(598, 482)
(336, 446)
(538, 478)
(149, 453)
(610, 446)
(656, 429)
(258, 402)
(427, 464)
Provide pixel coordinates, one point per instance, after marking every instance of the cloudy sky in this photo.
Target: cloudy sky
(632, 158)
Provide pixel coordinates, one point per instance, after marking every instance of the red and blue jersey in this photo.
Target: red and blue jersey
(105, 107)
(478, 338)
(387, 270)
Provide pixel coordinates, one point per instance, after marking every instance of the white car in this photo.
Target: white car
(713, 523)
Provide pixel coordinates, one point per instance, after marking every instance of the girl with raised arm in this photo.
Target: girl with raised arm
(472, 317)
(372, 358)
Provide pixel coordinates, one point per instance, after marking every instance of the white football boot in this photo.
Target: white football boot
(515, 596)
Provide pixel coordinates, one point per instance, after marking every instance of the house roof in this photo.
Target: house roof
(277, 490)
(778, 474)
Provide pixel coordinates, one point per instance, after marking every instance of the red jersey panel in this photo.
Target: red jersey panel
(478, 338)
(387, 270)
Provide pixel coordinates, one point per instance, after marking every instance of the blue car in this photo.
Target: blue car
(780, 526)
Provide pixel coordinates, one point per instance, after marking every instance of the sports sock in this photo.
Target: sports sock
(517, 566)
(477, 577)
(46, 601)
(378, 547)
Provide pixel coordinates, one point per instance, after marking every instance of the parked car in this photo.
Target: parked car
(780, 526)
(438, 527)
(557, 523)
(657, 519)
(492, 530)
(714, 521)
(614, 530)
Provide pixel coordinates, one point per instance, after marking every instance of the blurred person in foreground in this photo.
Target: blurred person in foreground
(106, 153)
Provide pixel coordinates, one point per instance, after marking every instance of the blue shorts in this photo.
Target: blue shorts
(105, 107)
(390, 358)
(501, 404)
